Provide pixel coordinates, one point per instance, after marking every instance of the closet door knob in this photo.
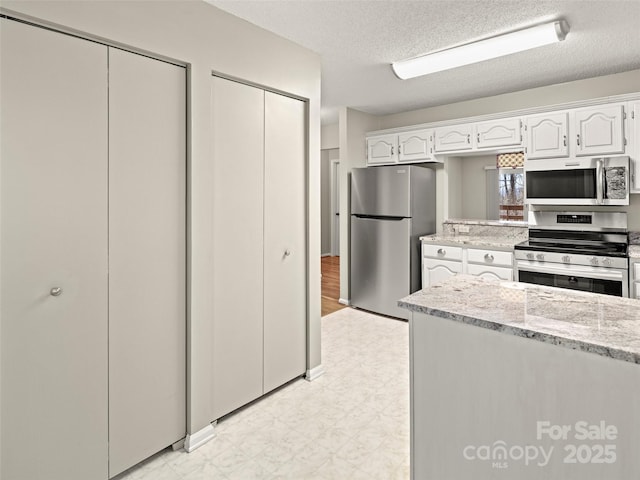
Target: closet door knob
(56, 292)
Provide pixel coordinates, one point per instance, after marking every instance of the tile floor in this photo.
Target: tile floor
(351, 423)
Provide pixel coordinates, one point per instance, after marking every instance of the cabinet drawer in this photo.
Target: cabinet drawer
(442, 252)
(636, 271)
(487, 271)
(490, 257)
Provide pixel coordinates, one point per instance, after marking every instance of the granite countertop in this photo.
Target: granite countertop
(600, 324)
(634, 244)
(473, 240)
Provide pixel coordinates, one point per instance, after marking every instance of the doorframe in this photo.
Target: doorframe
(335, 205)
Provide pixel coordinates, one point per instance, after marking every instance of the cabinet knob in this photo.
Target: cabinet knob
(578, 139)
(441, 251)
(488, 257)
(287, 252)
(55, 292)
(564, 140)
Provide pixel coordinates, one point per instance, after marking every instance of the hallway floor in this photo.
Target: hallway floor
(351, 423)
(330, 267)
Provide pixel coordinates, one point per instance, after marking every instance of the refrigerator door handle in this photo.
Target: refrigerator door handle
(379, 217)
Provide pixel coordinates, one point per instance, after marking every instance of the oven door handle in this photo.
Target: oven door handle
(596, 273)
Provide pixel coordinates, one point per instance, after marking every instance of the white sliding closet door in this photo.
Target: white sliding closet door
(285, 285)
(259, 291)
(147, 255)
(53, 197)
(237, 143)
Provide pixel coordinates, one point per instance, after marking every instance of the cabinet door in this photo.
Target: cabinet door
(599, 130)
(237, 299)
(486, 271)
(436, 271)
(456, 137)
(147, 252)
(634, 270)
(634, 145)
(505, 132)
(53, 235)
(285, 255)
(415, 146)
(547, 136)
(382, 149)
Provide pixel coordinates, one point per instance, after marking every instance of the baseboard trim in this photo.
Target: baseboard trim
(314, 373)
(326, 255)
(199, 438)
(343, 301)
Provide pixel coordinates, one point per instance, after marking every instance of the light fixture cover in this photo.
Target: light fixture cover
(486, 49)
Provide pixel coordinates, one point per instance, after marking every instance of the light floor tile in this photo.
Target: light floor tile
(351, 423)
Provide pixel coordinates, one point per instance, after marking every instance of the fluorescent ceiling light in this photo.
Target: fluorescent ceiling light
(482, 50)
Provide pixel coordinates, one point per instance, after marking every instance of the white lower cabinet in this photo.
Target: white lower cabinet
(440, 262)
(436, 271)
(634, 290)
(485, 263)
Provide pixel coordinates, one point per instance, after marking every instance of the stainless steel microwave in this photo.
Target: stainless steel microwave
(582, 181)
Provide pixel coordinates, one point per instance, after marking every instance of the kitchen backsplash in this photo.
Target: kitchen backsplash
(485, 228)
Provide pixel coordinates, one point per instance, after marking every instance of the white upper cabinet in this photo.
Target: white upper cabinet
(599, 130)
(505, 132)
(409, 147)
(415, 146)
(633, 123)
(382, 149)
(547, 135)
(453, 138)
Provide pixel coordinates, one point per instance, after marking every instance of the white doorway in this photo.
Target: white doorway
(335, 207)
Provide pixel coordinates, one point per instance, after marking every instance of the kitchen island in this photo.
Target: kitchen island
(518, 381)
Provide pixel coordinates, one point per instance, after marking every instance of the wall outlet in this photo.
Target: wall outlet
(463, 228)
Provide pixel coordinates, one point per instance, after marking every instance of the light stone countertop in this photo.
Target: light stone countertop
(634, 244)
(600, 324)
(504, 243)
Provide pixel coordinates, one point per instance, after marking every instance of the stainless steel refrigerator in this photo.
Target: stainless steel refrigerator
(391, 208)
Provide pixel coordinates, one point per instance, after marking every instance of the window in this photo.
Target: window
(511, 193)
(505, 188)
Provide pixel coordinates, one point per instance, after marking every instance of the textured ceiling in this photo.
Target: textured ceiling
(357, 41)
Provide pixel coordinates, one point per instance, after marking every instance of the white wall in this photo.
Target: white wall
(330, 136)
(325, 201)
(207, 39)
(474, 184)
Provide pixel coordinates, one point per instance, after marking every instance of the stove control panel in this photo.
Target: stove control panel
(572, 259)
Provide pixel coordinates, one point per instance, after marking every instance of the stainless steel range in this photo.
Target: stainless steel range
(577, 250)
